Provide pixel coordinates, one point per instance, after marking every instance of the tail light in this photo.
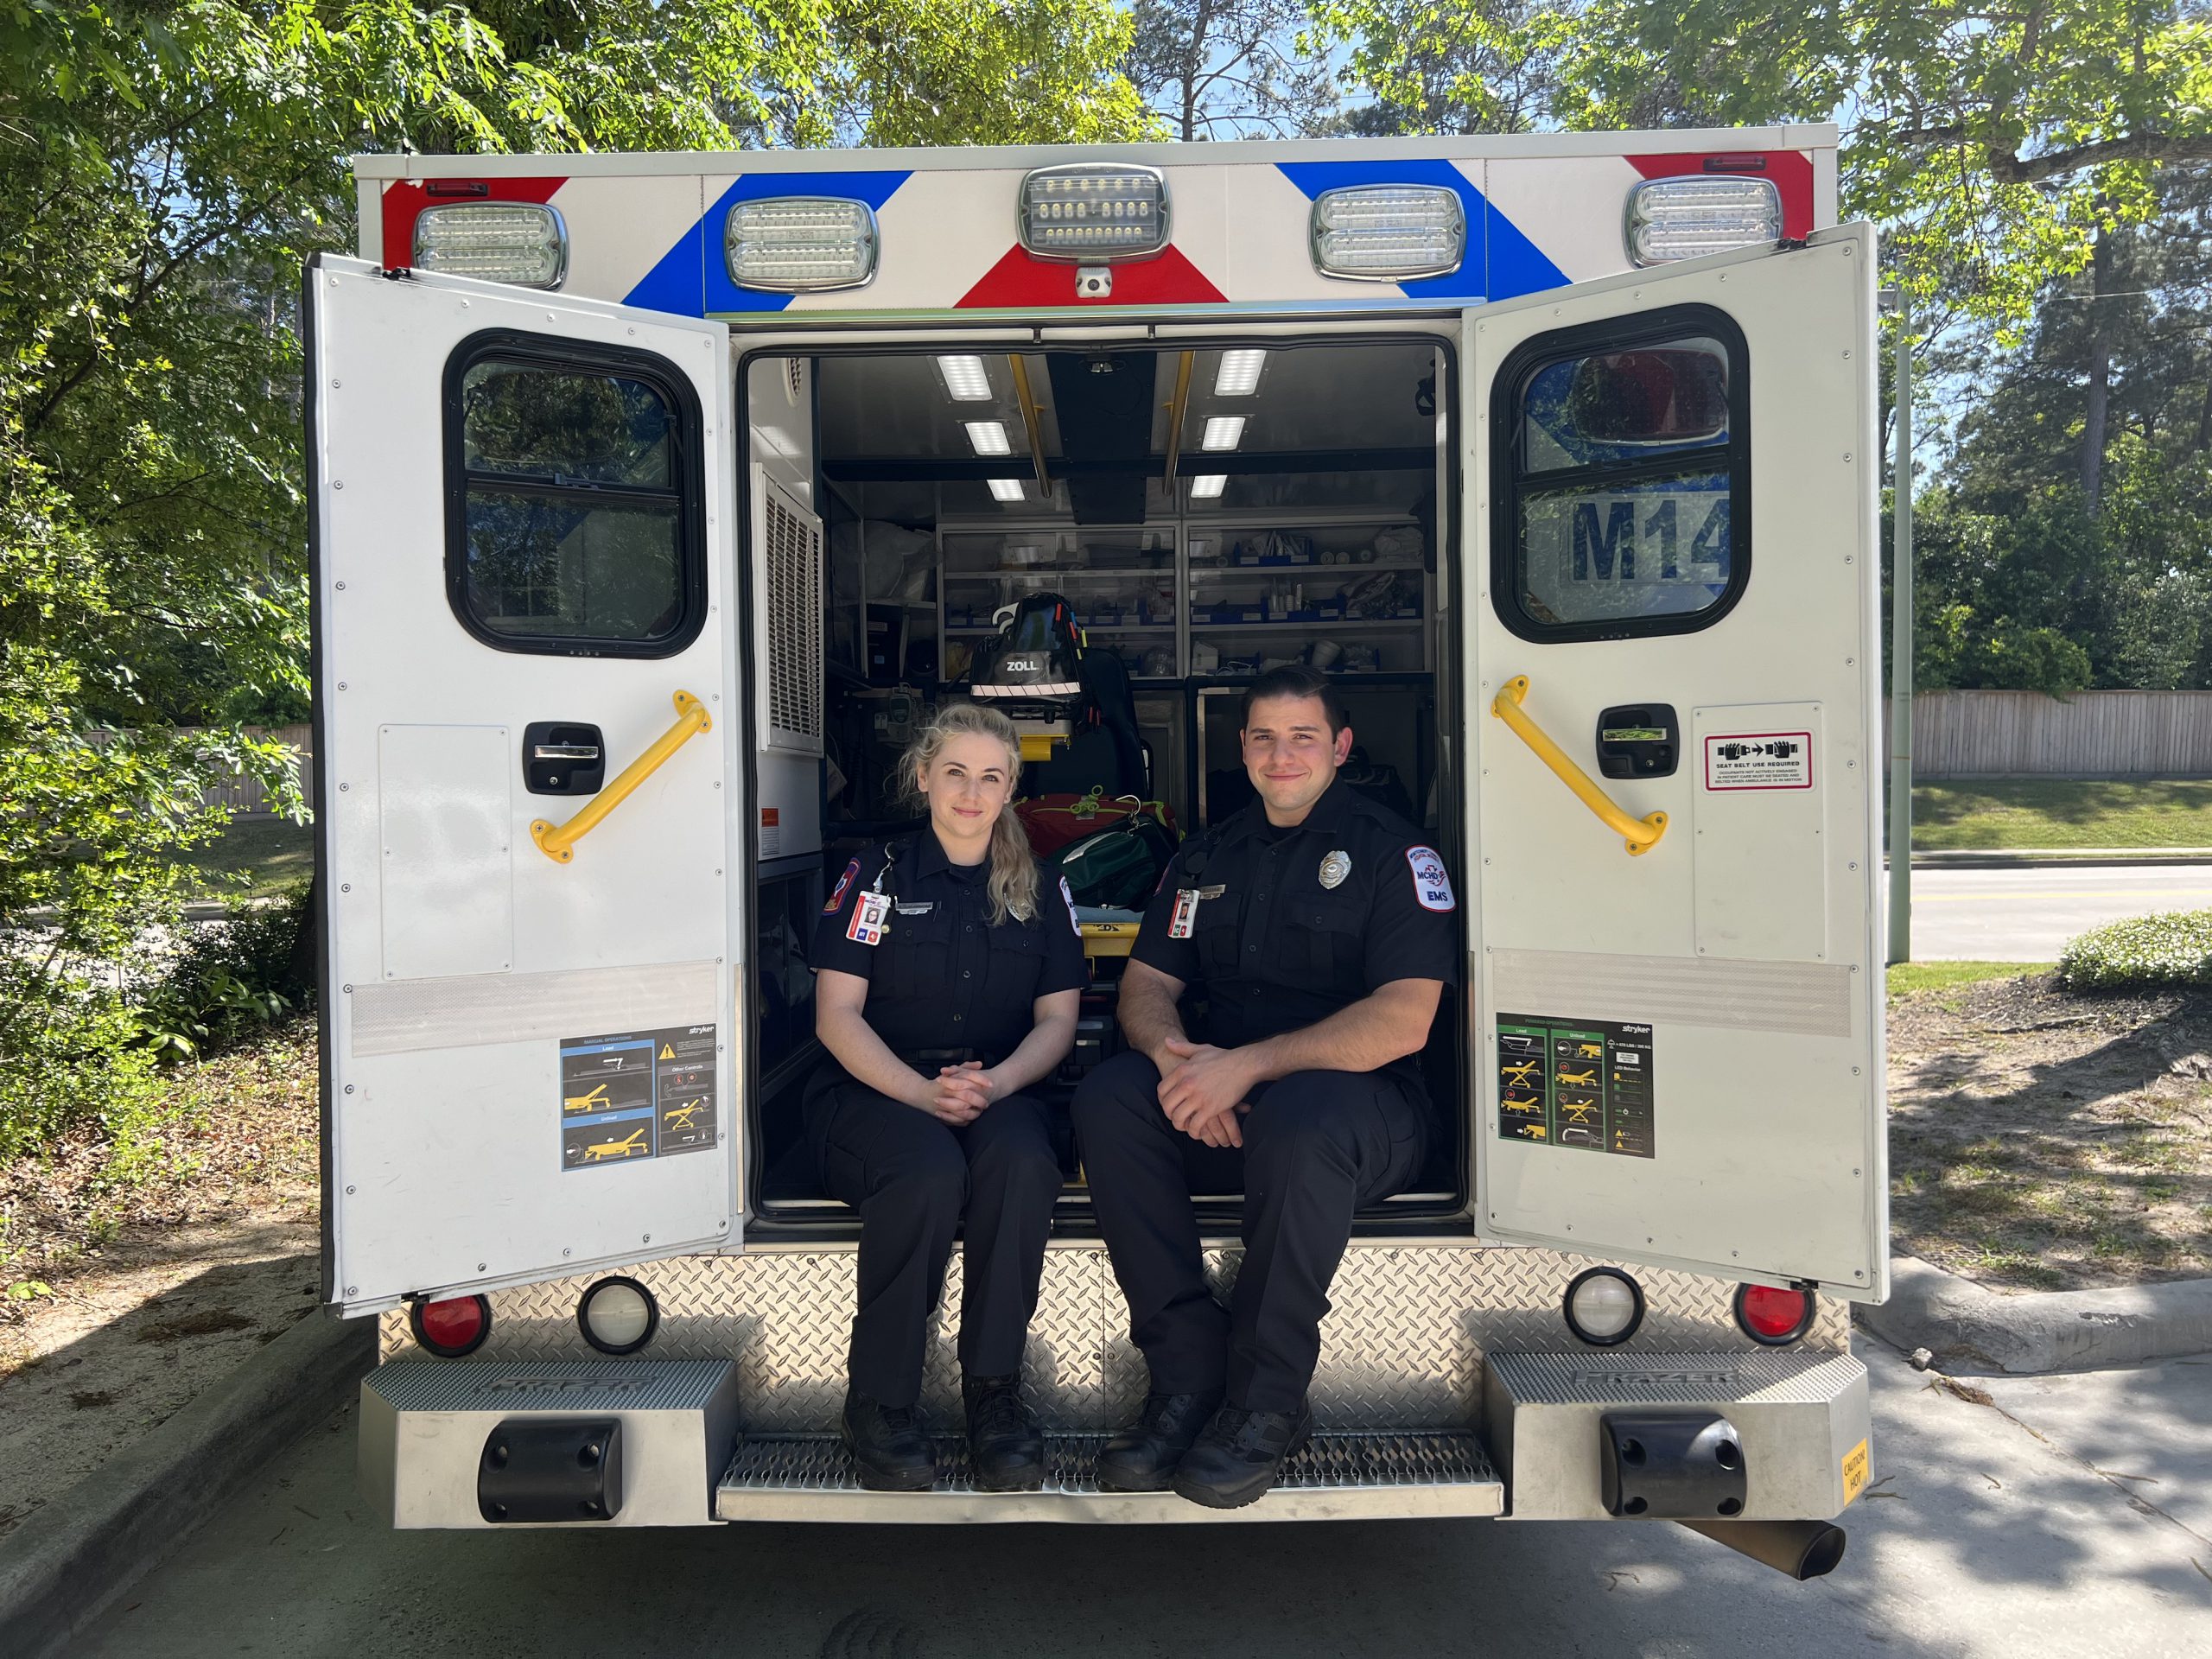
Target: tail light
(1772, 1316)
(452, 1328)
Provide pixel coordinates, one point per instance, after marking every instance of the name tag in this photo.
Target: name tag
(923, 908)
(867, 926)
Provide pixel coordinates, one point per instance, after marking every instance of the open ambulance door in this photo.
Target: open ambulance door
(1674, 782)
(527, 732)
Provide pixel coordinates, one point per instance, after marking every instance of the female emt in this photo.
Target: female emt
(948, 972)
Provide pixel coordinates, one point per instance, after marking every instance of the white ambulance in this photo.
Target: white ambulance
(655, 498)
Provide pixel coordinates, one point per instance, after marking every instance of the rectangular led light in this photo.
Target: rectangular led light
(988, 437)
(1687, 218)
(1094, 212)
(964, 379)
(1223, 432)
(1206, 485)
(800, 244)
(1239, 373)
(1388, 232)
(1006, 489)
(520, 242)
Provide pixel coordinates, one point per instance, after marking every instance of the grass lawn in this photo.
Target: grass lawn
(2060, 812)
(1907, 977)
(269, 854)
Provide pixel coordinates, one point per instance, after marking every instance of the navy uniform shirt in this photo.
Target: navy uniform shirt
(1287, 926)
(943, 978)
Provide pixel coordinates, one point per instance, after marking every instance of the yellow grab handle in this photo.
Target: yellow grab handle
(559, 842)
(1642, 835)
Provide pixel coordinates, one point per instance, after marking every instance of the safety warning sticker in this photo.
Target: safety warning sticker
(1758, 761)
(637, 1094)
(1854, 1472)
(1585, 1083)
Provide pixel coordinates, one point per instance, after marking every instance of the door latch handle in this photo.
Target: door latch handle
(1641, 834)
(586, 751)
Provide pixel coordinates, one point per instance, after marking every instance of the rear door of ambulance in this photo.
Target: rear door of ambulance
(527, 675)
(1674, 788)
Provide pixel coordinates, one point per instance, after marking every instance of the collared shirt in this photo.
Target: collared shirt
(1291, 925)
(942, 976)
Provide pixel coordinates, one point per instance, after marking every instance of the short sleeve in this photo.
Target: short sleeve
(831, 948)
(1414, 932)
(1065, 966)
(1178, 958)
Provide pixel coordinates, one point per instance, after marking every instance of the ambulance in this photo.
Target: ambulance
(658, 498)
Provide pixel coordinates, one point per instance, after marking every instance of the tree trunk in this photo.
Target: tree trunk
(2098, 402)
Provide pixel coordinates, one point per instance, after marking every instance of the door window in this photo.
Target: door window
(574, 482)
(1623, 462)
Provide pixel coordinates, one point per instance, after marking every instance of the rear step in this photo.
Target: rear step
(1337, 1477)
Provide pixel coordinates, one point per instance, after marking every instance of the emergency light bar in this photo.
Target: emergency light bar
(800, 244)
(1687, 218)
(1388, 232)
(1093, 213)
(523, 242)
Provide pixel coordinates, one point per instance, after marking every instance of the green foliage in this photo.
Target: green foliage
(234, 977)
(2144, 953)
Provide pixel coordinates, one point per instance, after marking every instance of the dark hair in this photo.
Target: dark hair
(1296, 680)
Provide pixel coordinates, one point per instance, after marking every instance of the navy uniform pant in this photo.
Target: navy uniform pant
(915, 1181)
(1317, 1145)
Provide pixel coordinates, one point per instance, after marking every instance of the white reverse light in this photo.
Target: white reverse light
(1239, 373)
(1687, 218)
(1094, 212)
(964, 379)
(1388, 232)
(520, 242)
(988, 437)
(1223, 432)
(800, 244)
(618, 1316)
(1206, 485)
(1603, 1306)
(1006, 489)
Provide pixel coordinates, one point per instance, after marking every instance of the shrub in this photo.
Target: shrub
(2143, 952)
(234, 976)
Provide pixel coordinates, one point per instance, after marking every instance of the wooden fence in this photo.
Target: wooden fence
(2092, 734)
(243, 795)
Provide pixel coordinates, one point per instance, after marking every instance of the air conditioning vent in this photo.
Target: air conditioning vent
(788, 641)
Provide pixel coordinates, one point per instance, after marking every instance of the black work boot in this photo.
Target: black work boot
(1003, 1438)
(1240, 1455)
(1142, 1457)
(891, 1444)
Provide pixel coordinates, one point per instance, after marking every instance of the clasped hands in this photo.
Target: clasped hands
(1206, 1091)
(958, 1094)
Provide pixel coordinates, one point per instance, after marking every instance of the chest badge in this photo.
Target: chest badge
(1334, 868)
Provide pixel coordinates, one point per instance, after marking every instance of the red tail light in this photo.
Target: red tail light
(1771, 1316)
(453, 1327)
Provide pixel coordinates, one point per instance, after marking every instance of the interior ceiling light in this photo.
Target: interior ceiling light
(1206, 485)
(964, 379)
(1223, 432)
(1006, 489)
(988, 437)
(1239, 373)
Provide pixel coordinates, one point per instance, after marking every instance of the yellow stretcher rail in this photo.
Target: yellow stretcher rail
(1641, 834)
(559, 842)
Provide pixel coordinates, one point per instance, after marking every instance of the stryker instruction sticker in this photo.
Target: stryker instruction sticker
(1854, 1471)
(1584, 1083)
(637, 1094)
(1758, 761)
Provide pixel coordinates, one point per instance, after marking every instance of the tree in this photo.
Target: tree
(1226, 68)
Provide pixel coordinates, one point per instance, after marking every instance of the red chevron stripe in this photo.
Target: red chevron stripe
(404, 199)
(1019, 280)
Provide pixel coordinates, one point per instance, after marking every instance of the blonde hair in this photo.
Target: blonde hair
(1013, 865)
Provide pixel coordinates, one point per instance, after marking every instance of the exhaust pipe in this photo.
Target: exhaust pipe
(1803, 1549)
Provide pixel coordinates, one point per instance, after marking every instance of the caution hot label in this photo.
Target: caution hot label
(1584, 1083)
(1854, 1472)
(637, 1094)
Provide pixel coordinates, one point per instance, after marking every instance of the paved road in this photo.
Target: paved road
(2028, 915)
(1979, 1535)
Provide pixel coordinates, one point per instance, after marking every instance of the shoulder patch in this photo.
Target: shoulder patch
(1069, 895)
(1432, 886)
(844, 882)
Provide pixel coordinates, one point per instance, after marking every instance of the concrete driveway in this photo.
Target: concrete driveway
(2065, 1517)
(2027, 914)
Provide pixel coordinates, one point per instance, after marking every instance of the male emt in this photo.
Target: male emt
(1320, 930)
